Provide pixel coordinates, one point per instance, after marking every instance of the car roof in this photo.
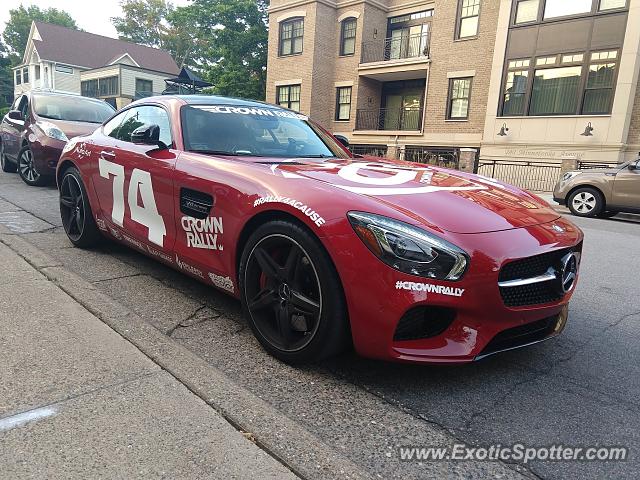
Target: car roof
(47, 93)
(210, 100)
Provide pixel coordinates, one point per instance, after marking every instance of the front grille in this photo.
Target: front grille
(521, 335)
(424, 322)
(536, 293)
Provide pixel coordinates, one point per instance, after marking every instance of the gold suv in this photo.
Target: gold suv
(601, 192)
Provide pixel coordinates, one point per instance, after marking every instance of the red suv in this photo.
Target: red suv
(36, 129)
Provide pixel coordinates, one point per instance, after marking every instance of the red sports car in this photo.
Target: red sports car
(324, 249)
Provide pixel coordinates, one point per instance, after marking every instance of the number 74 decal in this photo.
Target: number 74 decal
(140, 181)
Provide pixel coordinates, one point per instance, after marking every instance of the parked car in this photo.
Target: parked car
(35, 130)
(405, 261)
(601, 192)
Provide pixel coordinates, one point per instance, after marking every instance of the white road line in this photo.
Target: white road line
(14, 421)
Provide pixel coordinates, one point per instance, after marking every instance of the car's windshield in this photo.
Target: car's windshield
(254, 131)
(72, 109)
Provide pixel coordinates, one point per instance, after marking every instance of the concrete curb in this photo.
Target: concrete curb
(280, 437)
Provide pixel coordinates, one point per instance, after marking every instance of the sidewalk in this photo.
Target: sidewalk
(79, 401)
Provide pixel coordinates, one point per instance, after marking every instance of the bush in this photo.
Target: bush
(3, 111)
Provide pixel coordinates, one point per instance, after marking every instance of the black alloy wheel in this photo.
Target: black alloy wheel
(291, 294)
(27, 169)
(75, 211)
(7, 165)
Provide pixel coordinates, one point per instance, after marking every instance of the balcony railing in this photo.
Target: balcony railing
(396, 48)
(405, 119)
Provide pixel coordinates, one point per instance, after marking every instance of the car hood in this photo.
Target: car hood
(447, 199)
(74, 129)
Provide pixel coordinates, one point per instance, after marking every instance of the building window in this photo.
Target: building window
(143, 85)
(612, 4)
(527, 11)
(598, 93)
(563, 8)
(37, 72)
(291, 33)
(516, 87)
(459, 95)
(348, 36)
(18, 77)
(89, 88)
(343, 103)
(64, 69)
(468, 18)
(25, 75)
(288, 96)
(561, 84)
(108, 86)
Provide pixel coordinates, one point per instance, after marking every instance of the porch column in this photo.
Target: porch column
(467, 159)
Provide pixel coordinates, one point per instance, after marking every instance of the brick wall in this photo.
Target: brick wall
(449, 55)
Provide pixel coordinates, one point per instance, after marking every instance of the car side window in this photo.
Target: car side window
(111, 128)
(145, 115)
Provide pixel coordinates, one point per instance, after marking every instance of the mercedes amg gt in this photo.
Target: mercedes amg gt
(324, 249)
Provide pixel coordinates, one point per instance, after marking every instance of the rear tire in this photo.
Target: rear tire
(291, 294)
(6, 164)
(75, 211)
(586, 202)
(27, 169)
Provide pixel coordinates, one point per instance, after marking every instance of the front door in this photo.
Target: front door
(626, 188)
(12, 130)
(134, 183)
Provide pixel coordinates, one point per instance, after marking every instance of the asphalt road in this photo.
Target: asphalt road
(581, 389)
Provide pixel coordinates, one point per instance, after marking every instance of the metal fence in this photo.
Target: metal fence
(441, 157)
(589, 165)
(396, 48)
(372, 150)
(535, 176)
(406, 119)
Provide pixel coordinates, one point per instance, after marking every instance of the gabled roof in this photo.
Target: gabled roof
(83, 49)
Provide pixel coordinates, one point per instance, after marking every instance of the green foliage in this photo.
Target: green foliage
(16, 32)
(225, 41)
(158, 23)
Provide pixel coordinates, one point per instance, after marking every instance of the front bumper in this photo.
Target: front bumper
(377, 304)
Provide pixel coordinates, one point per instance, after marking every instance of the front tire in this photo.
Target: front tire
(291, 294)
(6, 164)
(586, 202)
(27, 168)
(75, 211)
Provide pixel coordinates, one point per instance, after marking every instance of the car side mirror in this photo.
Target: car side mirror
(343, 140)
(147, 135)
(634, 165)
(15, 115)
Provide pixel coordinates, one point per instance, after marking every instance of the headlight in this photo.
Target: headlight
(409, 249)
(569, 175)
(50, 130)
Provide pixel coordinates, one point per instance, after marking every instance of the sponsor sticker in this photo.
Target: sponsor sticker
(101, 225)
(308, 211)
(203, 233)
(115, 233)
(225, 283)
(429, 288)
(82, 151)
(133, 242)
(157, 253)
(188, 268)
(261, 112)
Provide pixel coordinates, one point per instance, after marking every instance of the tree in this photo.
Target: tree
(16, 32)
(223, 40)
(234, 57)
(159, 24)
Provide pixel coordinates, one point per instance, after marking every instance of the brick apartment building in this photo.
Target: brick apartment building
(531, 82)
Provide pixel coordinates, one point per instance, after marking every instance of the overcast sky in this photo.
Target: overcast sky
(90, 15)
